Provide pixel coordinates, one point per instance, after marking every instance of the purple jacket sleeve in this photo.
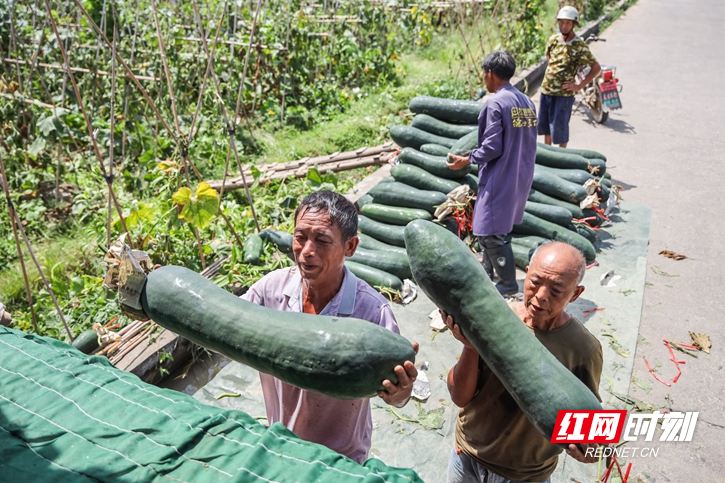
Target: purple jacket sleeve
(491, 142)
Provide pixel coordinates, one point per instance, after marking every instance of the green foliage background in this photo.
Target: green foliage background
(313, 86)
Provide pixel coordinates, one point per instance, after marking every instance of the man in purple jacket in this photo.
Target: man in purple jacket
(505, 157)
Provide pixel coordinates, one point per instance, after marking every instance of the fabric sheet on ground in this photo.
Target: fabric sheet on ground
(69, 417)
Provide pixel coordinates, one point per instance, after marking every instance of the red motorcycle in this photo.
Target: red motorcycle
(602, 94)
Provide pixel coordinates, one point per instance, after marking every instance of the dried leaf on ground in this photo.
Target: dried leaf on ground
(664, 274)
(646, 387)
(429, 419)
(615, 345)
(701, 340)
(673, 255)
(635, 404)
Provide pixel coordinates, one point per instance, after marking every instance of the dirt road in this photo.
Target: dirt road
(667, 148)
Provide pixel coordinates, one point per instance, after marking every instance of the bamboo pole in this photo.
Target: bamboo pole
(82, 70)
(184, 148)
(230, 126)
(162, 49)
(125, 67)
(89, 127)
(17, 222)
(13, 218)
(113, 128)
(127, 86)
(210, 69)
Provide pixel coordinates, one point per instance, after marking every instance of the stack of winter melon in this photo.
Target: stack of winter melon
(419, 183)
(554, 210)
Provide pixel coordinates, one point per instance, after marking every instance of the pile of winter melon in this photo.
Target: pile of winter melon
(421, 180)
(568, 186)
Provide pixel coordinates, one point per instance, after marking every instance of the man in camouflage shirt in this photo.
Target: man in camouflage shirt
(566, 53)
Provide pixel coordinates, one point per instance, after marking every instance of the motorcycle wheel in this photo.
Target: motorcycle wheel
(597, 107)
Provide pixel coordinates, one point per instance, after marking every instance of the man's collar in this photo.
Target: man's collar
(349, 293)
(344, 299)
(566, 42)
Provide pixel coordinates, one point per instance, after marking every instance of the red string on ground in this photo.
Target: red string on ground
(589, 312)
(652, 371)
(674, 359)
(605, 476)
(626, 472)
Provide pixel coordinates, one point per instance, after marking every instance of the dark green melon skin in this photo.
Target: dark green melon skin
(253, 247)
(451, 276)
(388, 261)
(528, 241)
(557, 187)
(540, 197)
(281, 239)
(435, 165)
(383, 232)
(533, 225)
(366, 241)
(465, 144)
(568, 160)
(578, 176)
(411, 137)
(587, 153)
(87, 342)
(435, 149)
(373, 276)
(401, 194)
(340, 357)
(522, 255)
(448, 110)
(555, 214)
(441, 128)
(422, 179)
(395, 215)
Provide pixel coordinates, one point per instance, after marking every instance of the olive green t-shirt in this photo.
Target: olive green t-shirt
(565, 60)
(494, 431)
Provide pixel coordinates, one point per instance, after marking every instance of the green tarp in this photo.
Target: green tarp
(69, 417)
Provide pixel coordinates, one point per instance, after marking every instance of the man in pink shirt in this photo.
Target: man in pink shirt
(325, 233)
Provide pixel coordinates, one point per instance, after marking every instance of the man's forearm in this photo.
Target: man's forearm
(463, 378)
(595, 70)
(485, 154)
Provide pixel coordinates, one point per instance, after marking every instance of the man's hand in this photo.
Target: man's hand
(457, 162)
(398, 394)
(580, 455)
(572, 86)
(455, 330)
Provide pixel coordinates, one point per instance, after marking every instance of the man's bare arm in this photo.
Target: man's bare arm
(593, 72)
(463, 377)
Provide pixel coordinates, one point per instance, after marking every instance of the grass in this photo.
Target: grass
(443, 68)
(367, 121)
(59, 258)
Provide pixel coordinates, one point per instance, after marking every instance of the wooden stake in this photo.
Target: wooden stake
(13, 218)
(17, 221)
(89, 127)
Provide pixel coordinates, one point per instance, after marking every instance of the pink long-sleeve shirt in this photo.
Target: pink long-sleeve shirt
(344, 426)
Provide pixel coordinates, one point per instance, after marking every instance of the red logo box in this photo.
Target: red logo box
(603, 426)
